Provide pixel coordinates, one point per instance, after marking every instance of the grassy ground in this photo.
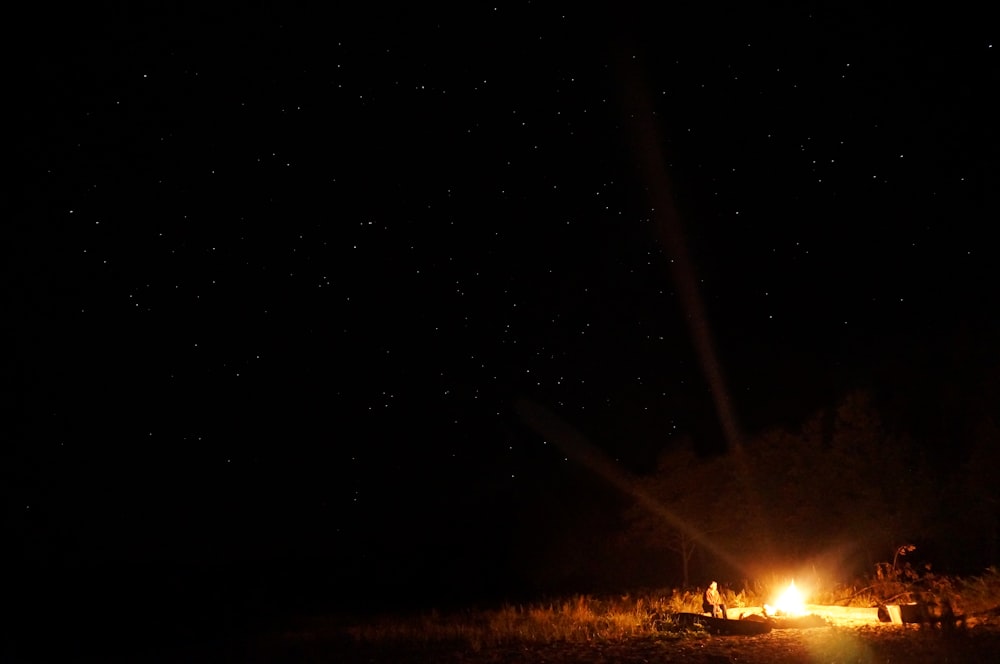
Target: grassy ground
(583, 629)
(639, 627)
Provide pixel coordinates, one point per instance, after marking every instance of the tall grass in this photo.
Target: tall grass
(576, 619)
(979, 594)
(585, 618)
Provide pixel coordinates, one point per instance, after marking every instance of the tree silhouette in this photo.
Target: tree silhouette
(692, 490)
(841, 480)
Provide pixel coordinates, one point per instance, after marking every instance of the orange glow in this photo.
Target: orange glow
(789, 603)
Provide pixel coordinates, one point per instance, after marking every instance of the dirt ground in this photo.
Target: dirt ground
(821, 645)
(827, 645)
(850, 636)
(844, 636)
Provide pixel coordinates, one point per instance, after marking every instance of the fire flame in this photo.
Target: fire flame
(789, 603)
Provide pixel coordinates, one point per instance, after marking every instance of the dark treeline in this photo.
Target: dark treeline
(840, 492)
(832, 494)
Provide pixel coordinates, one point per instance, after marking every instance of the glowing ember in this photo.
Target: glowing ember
(789, 603)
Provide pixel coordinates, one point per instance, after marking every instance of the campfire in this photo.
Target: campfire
(789, 603)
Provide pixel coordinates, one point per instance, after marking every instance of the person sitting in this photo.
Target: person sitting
(711, 602)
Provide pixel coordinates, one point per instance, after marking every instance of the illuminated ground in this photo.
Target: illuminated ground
(838, 616)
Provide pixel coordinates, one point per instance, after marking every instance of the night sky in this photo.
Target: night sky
(276, 278)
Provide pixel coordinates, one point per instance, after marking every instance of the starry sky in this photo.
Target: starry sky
(275, 278)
